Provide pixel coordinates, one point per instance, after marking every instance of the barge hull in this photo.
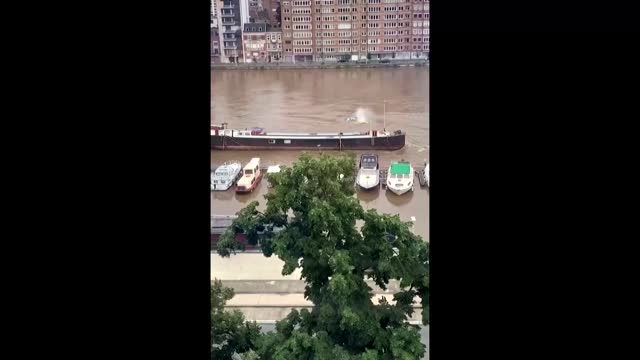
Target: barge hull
(395, 142)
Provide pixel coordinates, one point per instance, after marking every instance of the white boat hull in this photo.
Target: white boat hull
(400, 191)
(228, 182)
(369, 187)
(401, 183)
(368, 182)
(426, 175)
(221, 187)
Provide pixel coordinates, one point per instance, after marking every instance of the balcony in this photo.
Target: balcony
(229, 22)
(230, 6)
(228, 14)
(230, 47)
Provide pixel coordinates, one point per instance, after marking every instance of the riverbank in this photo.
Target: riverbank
(314, 65)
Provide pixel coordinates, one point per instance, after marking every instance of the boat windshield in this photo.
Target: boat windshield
(369, 162)
(248, 172)
(222, 173)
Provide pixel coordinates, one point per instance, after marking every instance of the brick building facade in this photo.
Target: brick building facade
(333, 30)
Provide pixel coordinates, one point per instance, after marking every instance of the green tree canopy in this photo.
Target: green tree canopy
(314, 222)
(230, 333)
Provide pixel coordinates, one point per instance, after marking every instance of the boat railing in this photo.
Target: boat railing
(226, 163)
(243, 133)
(229, 162)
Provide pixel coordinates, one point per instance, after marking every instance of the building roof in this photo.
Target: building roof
(255, 27)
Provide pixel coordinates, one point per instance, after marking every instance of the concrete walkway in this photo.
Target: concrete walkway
(290, 300)
(274, 313)
(249, 266)
(262, 293)
(290, 286)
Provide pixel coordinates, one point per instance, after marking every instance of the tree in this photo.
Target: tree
(278, 15)
(313, 221)
(230, 333)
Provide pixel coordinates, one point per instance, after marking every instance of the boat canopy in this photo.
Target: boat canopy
(273, 169)
(402, 168)
(254, 163)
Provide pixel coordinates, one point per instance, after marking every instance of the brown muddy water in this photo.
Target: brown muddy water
(320, 100)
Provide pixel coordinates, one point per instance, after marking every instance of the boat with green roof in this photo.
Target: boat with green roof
(400, 178)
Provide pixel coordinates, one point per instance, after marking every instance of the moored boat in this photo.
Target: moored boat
(225, 176)
(272, 170)
(400, 177)
(426, 175)
(251, 176)
(369, 173)
(259, 139)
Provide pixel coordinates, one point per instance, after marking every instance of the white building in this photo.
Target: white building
(231, 16)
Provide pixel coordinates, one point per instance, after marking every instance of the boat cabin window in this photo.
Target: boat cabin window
(272, 141)
(221, 173)
(369, 162)
(248, 172)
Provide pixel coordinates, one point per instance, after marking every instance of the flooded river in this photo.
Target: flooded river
(320, 100)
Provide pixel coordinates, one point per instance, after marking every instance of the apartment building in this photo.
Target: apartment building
(254, 41)
(231, 15)
(215, 36)
(215, 46)
(262, 43)
(213, 12)
(420, 29)
(335, 30)
(274, 44)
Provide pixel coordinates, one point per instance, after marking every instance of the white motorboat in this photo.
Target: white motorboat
(272, 170)
(225, 176)
(426, 174)
(369, 173)
(400, 177)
